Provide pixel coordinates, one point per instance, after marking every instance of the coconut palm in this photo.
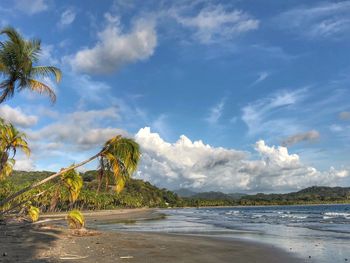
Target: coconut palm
(18, 58)
(120, 155)
(10, 141)
(70, 181)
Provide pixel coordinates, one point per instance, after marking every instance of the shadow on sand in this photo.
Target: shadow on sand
(23, 242)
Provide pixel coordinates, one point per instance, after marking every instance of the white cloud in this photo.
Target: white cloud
(264, 115)
(24, 164)
(78, 130)
(214, 24)
(324, 20)
(67, 18)
(31, 7)
(115, 48)
(261, 77)
(203, 167)
(301, 137)
(17, 117)
(216, 112)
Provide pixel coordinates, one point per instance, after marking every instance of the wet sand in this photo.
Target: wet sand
(45, 242)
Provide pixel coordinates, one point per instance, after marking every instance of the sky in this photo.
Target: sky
(233, 96)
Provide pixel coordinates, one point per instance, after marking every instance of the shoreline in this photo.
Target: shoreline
(44, 242)
(240, 206)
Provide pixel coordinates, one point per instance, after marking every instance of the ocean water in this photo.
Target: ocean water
(317, 233)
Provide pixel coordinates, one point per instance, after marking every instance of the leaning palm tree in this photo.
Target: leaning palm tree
(120, 156)
(18, 59)
(10, 141)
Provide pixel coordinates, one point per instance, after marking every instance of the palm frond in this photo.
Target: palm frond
(7, 92)
(73, 182)
(13, 35)
(75, 219)
(33, 49)
(47, 71)
(7, 169)
(122, 156)
(33, 213)
(40, 87)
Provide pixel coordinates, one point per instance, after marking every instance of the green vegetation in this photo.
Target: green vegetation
(75, 219)
(311, 195)
(138, 193)
(63, 190)
(11, 140)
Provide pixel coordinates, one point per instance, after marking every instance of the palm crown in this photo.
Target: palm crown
(10, 140)
(18, 57)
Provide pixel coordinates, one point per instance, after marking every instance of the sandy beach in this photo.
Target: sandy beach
(45, 242)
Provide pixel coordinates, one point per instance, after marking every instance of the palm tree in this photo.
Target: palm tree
(18, 57)
(121, 156)
(10, 140)
(71, 181)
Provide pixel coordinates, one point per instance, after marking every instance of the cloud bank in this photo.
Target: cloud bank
(195, 165)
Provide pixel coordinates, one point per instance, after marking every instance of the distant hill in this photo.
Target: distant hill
(138, 193)
(314, 194)
(208, 195)
(183, 192)
(212, 196)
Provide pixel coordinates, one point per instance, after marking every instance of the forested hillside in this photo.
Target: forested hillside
(138, 193)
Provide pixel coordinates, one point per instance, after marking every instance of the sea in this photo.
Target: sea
(315, 233)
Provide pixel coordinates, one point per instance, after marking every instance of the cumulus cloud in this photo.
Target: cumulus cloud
(325, 20)
(301, 137)
(31, 7)
(67, 18)
(17, 117)
(115, 48)
(24, 164)
(344, 115)
(215, 24)
(200, 166)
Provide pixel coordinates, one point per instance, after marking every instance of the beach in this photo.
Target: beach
(50, 241)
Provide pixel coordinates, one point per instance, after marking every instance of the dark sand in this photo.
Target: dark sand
(45, 242)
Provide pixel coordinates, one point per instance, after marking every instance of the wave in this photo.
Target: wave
(335, 214)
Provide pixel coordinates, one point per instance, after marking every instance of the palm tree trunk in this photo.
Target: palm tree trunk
(107, 182)
(26, 189)
(3, 160)
(100, 177)
(21, 203)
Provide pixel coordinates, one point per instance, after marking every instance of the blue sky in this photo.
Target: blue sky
(263, 84)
